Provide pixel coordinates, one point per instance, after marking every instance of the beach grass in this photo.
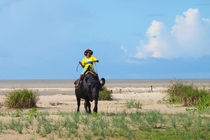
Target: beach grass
(105, 94)
(136, 125)
(21, 99)
(189, 95)
(133, 104)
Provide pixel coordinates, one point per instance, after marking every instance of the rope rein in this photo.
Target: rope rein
(77, 67)
(95, 67)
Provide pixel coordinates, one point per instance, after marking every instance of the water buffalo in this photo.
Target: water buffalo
(89, 89)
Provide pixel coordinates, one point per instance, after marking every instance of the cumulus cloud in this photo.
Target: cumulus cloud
(188, 37)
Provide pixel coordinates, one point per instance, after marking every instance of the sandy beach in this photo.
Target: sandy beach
(149, 100)
(67, 103)
(59, 95)
(54, 99)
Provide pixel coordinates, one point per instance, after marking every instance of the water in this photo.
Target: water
(36, 83)
(51, 87)
(109, 83)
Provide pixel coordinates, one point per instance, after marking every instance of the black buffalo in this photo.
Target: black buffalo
(89, 89)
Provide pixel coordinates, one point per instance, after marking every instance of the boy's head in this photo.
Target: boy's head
(88, 53)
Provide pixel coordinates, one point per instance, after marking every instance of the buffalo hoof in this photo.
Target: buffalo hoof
(89, 112)
(95, 110)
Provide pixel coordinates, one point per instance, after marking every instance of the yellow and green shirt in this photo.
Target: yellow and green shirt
(86, 62)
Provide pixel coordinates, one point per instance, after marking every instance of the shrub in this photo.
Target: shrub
(134, 104)
(105, 94)
(21, 99)
(188, 94)
(203, 103)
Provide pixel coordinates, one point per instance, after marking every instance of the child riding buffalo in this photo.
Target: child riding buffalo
(86, 62)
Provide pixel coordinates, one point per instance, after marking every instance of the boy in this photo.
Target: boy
(86, 62)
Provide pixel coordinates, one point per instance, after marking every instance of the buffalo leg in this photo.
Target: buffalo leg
(96, 106)
(78, 104)
(87, 106)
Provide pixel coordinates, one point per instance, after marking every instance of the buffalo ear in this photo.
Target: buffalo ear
(102, 82)
(76, 82)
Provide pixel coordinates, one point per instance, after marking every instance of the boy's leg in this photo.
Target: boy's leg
(80, 79)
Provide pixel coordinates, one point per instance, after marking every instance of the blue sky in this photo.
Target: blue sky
(45, 39)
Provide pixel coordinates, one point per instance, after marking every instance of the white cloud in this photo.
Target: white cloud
(188, 37)
(156, 46)
(123, 49)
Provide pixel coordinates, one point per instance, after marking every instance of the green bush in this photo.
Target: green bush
(105, 94)
(203, 103)
(188, 94)
(134, 104)
(21, 99)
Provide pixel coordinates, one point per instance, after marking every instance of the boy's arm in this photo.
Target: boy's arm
(94, 59)
(81, 64)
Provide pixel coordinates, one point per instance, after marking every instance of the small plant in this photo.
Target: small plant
(75, 117)
(105, 94)
(189, 95)
(87, 136)
(12, 124)
(134, 125)
(21, 99)
(154, 119)
(44, 126)
(16, 125)
(85, 120)
(173, 122)
(203, 103)
(47, 127)
(32, 112)
(19, 127)
(18, 113)
(95, 127)
(134, 104)
(187, 122)
(1, 126)
(60, 133)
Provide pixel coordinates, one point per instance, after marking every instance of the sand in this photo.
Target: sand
(67, 102)
(59, 96)
(149, 101)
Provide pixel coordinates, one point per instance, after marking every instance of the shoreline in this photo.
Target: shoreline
(109, 83)
(126, 85)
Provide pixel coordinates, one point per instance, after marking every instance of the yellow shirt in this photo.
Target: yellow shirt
(86, 62)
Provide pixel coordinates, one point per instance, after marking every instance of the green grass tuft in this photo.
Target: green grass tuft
(21, 99)
(105, 94)
(134, 104)
(121, 125)
(189, 95)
